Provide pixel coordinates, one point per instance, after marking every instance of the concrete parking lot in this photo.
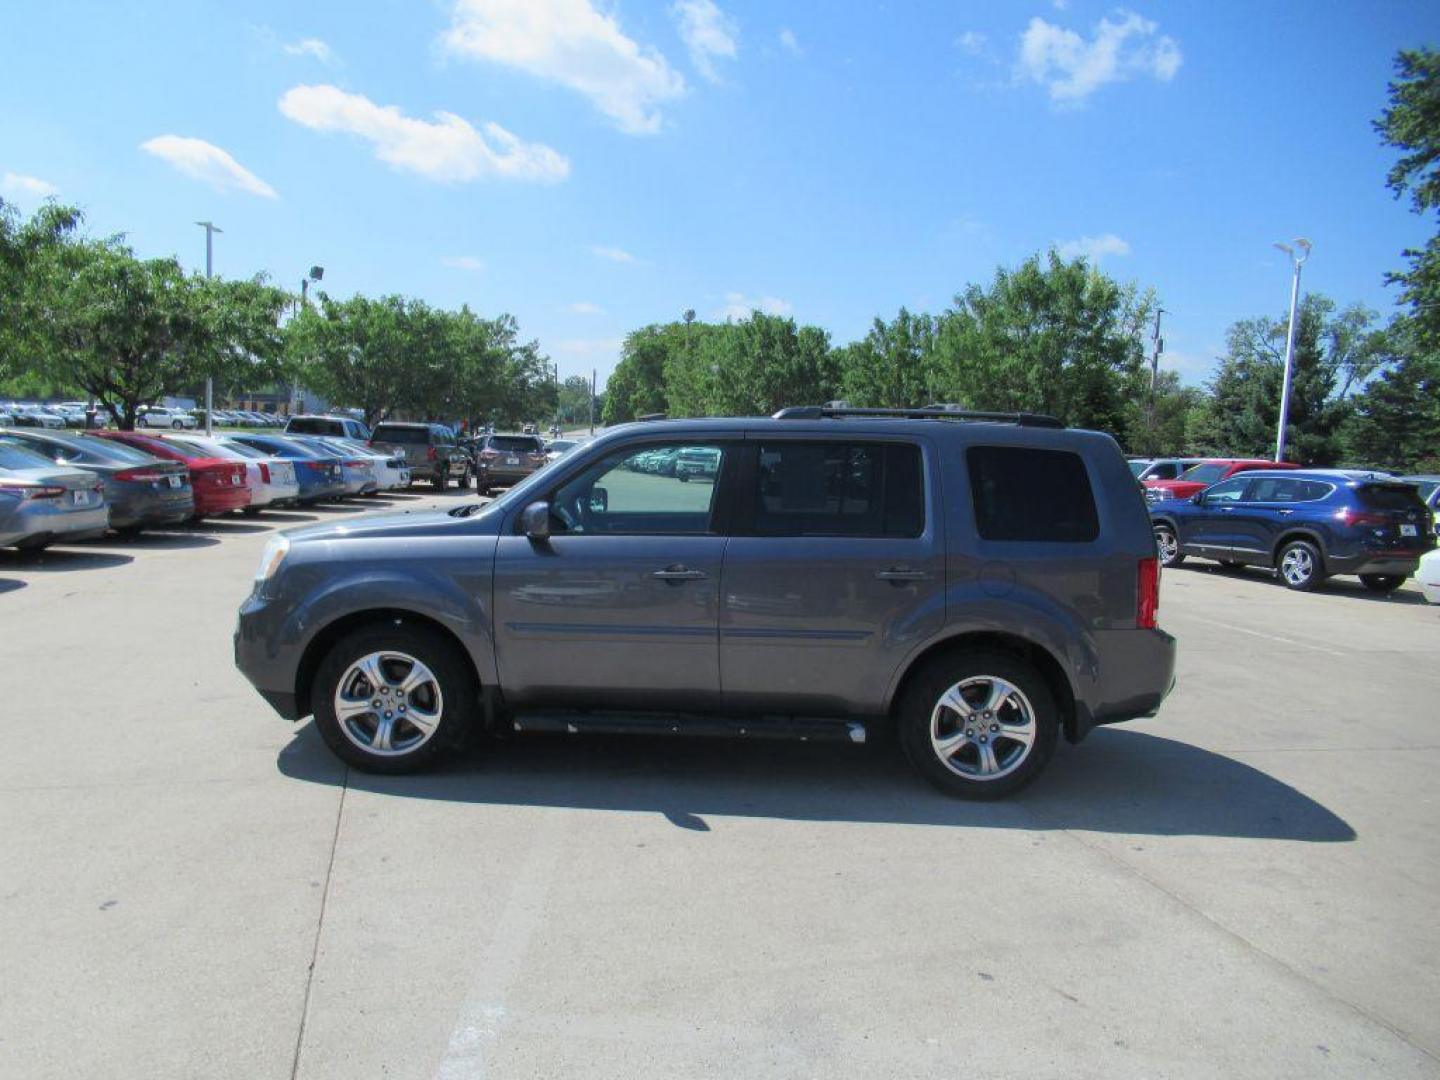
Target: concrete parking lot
(191, 887)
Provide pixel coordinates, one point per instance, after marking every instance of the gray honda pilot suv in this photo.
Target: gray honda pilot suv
(983, 582)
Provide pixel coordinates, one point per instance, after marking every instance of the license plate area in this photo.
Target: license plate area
(1409, 530)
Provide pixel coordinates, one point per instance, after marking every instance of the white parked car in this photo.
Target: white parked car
(38, 416)
(391, 470)
(272, 480)
(158, 416)
(1428, 576)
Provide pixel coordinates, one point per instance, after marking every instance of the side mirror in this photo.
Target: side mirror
(535, 521)
(1198, 498)
(599, 500)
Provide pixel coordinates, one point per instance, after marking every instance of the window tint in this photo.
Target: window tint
(394, 433)
(15, 456)
(1388, 496)
(1027, 494)
(314, 426)
(838, 489)
(632, 492)
(518, 443)
(1269, 489)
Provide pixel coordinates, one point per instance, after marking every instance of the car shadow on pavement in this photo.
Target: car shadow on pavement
(10, 585)
(1123, 782)
(285, 517)
(1348, 587)
(55, 560)
(225, 528)
(157, 539)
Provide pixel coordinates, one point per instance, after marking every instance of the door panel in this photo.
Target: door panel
(819, 623)
(1210, 528)
(584, 621)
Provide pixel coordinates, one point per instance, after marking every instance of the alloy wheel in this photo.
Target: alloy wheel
(388, 703)
(983, 728)
(1297, 566)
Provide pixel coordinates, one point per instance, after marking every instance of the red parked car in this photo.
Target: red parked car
(219, 484)
(1199, 477)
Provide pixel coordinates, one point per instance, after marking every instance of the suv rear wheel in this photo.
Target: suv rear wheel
(1382, 583)
(1300, 566)
(441, 478)
(979, 725)
(390, 698)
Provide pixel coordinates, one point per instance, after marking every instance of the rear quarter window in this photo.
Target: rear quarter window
(1031, 495)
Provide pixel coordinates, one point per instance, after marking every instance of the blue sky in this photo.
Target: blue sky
(591, 167)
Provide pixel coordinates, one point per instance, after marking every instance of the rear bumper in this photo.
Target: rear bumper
(221, 500)
(1374, 562)
(1135, 671)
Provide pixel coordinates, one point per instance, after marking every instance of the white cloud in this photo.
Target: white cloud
(708, 33)
(1071, 68)
(973, 42)
(207, 163)
(1060, 5)
(32, 187)
(462, 262)
(738, 306)
(585, 307)
(614, 254)
(1093, 248)
(571, 43)
(311, 47)
(447, 149)
(788, 40)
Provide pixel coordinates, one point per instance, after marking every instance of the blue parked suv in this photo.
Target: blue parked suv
(1309, 524)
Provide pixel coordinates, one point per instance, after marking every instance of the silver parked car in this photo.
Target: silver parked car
(41, 503)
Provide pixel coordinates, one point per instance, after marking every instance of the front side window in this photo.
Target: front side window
(837, 489)
(1028, 494)
(1203, 474)
(624, 493)
(1230, 491)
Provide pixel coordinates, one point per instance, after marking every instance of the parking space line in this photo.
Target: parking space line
(1262, 634)
(319, 928)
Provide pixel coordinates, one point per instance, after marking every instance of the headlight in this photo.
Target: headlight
(271, 558)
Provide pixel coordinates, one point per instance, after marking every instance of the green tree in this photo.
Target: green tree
(360, 352)
(574, 401)
(127, 331)
(25, 245)
(892, 366)
(637, 385)
(1396, 419)
(766, 362)
(1412, 125)
(1049, 336)
(1334, 353)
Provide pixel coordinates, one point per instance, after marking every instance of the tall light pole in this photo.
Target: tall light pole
(1297, 261)
(1157, 347)
(210, 230)
(317, 273)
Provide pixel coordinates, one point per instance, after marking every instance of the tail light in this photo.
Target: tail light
(1347, 516)
(25, 491)
(264, 473)
(144, 474)
(356, 463)
(1147, 594)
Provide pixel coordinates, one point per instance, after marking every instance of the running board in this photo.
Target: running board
(805, 729)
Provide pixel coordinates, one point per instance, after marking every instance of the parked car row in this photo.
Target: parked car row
(1305, 524)
(67, 485)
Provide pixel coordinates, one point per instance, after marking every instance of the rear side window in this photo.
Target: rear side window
(314, 426)
(1027, 494)
(839, 489)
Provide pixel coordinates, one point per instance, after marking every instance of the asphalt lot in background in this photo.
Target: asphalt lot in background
(1244, 886)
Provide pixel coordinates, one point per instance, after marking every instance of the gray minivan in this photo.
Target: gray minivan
(982, 582)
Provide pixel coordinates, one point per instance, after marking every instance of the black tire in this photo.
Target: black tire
(129, 532)
(459, 701)
(1382, 583)
(141, 423)
(684, 478)
(1304, 554)
(439, 480)
(1166, 541)
(920, 702)
(177, 425)
(251, 511)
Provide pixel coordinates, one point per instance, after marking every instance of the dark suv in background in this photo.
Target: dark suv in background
(430, 450)
(1308, 524)
(985, 583)
(502, 460)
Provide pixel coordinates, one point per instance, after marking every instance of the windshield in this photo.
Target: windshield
(1204, 474)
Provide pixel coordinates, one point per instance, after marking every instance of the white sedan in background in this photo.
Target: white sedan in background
(392, 472)
(271, 479)
(1428, 576)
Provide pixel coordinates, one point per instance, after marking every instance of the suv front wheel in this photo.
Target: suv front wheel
(1167, 544)
(979, 725)
(390, 698)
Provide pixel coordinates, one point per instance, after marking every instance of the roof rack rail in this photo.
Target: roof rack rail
(821, 412)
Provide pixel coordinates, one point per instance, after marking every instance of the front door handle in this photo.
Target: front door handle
(1226, 509)
(679, 573)
(900, 573)
(1285, 513)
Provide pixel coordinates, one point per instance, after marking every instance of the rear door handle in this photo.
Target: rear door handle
(679, 573)
(900, 573)
(1285, 513)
